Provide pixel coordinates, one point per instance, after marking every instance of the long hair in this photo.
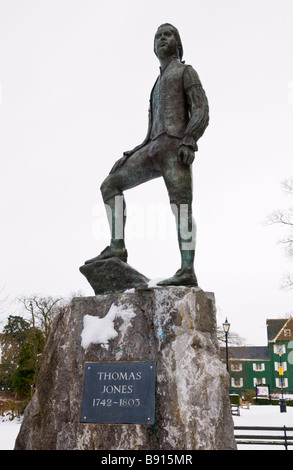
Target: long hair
(178, 39)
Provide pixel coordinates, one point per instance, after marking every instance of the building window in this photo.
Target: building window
(281, 382)
(236, 366)
(236, 382)
(258, 366)
(287, 332)
(280, 364)
(279, 348)
(259, 381)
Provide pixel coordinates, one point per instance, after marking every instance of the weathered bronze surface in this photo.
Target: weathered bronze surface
(178, 117)
(113, 275)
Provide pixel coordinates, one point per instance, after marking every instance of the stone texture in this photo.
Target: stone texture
(174, 326)
(112, 275)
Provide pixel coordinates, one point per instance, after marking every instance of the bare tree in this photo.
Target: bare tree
(42, 311)
(234, 339)
(285, 218)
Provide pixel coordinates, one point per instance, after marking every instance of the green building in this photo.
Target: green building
(271, 365)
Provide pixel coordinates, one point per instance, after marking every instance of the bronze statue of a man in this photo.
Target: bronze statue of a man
(178, 117)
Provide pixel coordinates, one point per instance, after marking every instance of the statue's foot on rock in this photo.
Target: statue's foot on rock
(109, 252)
(113, 275)
(183, 277)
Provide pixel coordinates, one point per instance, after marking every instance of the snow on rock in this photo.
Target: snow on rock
(153, 282)
(101, 330)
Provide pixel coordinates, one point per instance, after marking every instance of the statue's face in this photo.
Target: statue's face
(165, 42)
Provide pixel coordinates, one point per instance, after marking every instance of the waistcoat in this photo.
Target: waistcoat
(169, 113)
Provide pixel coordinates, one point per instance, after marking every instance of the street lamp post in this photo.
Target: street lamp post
(281, 378)
(281, 373)
(226, 328)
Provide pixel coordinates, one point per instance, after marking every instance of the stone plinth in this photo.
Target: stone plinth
(176, 328)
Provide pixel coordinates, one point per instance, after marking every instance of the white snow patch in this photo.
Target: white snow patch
(101, 330)
(153, 282)
(8, 432)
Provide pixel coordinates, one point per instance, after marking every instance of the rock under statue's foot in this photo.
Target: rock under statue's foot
(183, 277)
(110, 252)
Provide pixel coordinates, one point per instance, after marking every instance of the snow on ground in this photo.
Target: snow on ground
(264, 416)
(255, 416)
(8, 432)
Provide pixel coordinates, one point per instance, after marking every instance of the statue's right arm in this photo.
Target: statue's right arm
(119, 163)
(146, 140)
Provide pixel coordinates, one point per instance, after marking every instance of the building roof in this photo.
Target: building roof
(274, 327)
(250, 353)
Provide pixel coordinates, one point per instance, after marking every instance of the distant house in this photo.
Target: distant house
(271, 365)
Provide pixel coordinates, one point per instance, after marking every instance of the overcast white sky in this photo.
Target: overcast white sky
(75, 81)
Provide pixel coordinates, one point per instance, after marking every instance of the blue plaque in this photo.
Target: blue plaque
(119, 393)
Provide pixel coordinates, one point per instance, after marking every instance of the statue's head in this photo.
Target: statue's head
(169, 27)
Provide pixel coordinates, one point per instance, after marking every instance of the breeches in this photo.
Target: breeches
(157, 158)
